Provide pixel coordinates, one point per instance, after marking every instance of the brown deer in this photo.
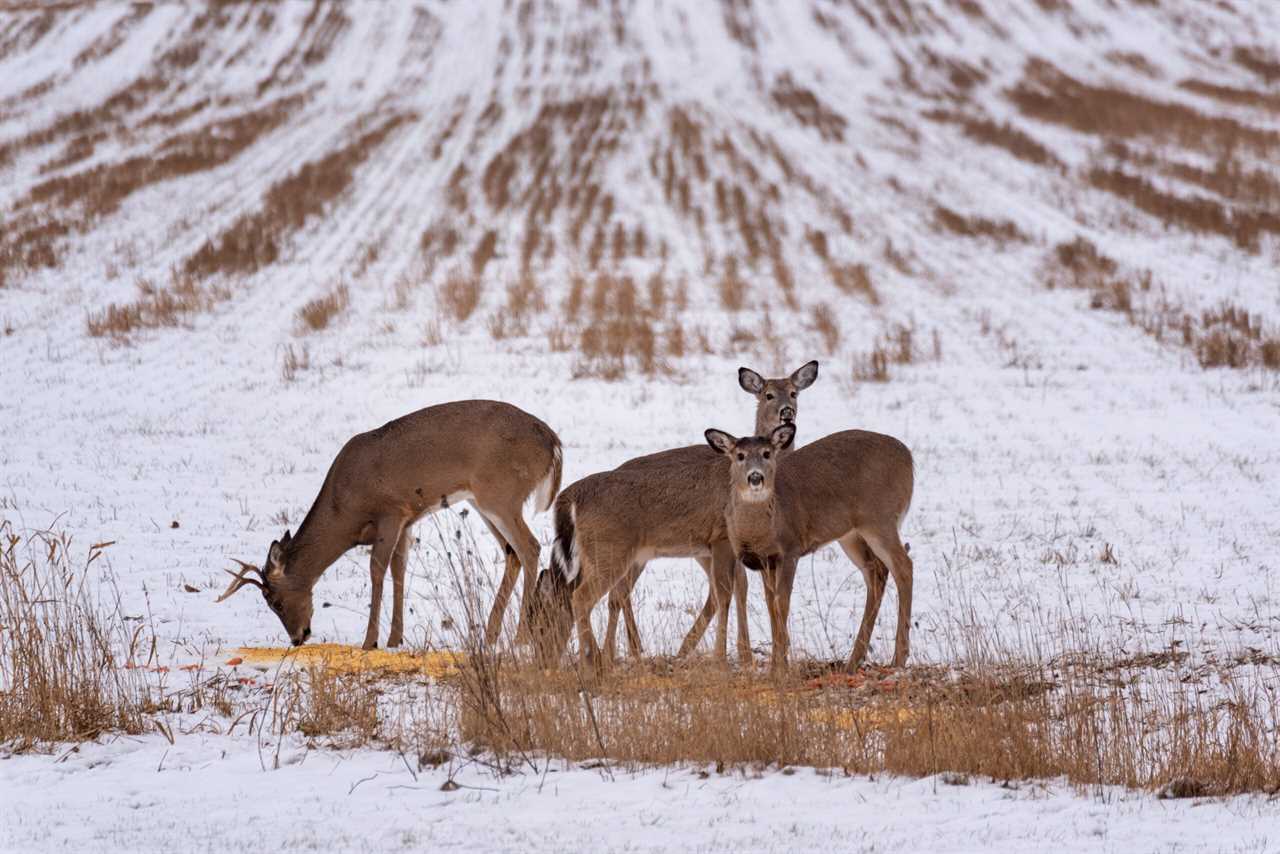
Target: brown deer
(487, 452)
(610, 524)
(777, 402)
(852, 487)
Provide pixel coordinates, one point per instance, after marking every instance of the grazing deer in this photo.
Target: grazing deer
(777, 402)
(852, 487)
(610, 524)
(487, 452)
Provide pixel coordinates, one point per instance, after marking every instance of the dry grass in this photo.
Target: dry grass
(61, 206)
(294, 362)
(731, 286)
(1223, 336)
(1015, 719)
(822, 320)
(318, 313)
(1006, 136)
(807, 109)
(897, 344)
(620, 335)
(1111, 113)
(1002, 231)
(156, 307)
(1244, 226)
(255, 240)
(459, 294)
(60, 678)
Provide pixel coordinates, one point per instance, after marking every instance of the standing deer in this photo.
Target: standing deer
(487, 452)
(852, 487)
(610, 524)
(777, 403)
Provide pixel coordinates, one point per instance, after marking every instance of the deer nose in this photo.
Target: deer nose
(755, 478)
(788, 413)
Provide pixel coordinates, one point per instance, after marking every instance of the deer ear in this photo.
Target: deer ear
(275, 558)
(288, 535)
(805, 375)
(782, 437)
(751, 382)
(720, 441)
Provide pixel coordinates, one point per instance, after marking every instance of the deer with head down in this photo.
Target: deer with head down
(671, 504)
(482, 451)
(853, 487)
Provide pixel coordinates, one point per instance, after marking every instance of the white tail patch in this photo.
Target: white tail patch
(547, 488)
(567, 553)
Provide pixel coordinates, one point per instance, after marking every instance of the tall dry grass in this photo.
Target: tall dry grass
(61, 673)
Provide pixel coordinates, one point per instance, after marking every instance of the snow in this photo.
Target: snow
(1045, 433)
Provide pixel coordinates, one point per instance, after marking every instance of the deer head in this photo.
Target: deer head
(777, 400)
(551, 617)
(753, 461)
(289, 600)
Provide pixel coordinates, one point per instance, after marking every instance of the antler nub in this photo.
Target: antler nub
(241, 579)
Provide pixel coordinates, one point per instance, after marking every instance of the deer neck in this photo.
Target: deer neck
(753, 525)
(312, 550)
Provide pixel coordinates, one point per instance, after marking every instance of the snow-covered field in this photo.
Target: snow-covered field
(1076, 478)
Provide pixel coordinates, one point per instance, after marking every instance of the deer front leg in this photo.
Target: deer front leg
(785, 576)
(384, 546)
(399, 562)
(745, 656)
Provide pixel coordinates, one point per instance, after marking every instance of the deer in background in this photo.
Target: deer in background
(852, 487)
(483, 451)
(777, 403)
(610, 524)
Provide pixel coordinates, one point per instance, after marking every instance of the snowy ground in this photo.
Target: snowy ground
(211, 794)
(187, 447)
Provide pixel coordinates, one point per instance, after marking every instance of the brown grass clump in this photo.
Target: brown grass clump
(1006, 136)
(459, 295)
(319, 312)
(75, 203)
(619, 335)
(1002, 230)
(1194, 213)
(1225, 336)
(1047, 94)
(485, 249)
(60, 679)
(823, 321)
(732, 287)
(807, 109)
(895, 345)
(256, 239)
(1012, 719)
(156, 307)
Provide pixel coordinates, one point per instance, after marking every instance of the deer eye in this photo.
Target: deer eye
(766, 455)
(768, 397)
(793, 394)
(741, 457)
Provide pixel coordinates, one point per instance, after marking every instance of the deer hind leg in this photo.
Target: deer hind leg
(399, 562)
(504, 514)
(876, 576)
(694, 636)
(888, 547)
(620, 603)
(493, 626)
(384, 545)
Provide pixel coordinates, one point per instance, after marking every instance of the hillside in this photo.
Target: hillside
(1037, 241)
